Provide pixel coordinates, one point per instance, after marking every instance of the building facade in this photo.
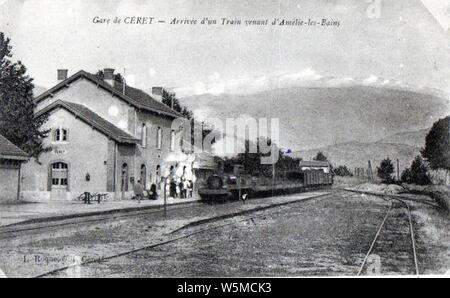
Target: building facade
(11, 159)
(104, 136)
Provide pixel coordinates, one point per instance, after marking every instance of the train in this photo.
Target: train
(221, 186)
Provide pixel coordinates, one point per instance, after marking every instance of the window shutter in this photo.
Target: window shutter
(68, 176)
(146, 135)
(49, 178)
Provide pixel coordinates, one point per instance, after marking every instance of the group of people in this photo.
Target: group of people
(180, 188)
(176, 188)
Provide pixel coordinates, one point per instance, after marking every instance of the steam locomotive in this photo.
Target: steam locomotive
(243, 186)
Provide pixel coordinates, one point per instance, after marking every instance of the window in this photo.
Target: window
(60, 135)
(144, 135)
(172, 140)
(124, 178)
(158, 170)
(59, 166)
(159, 138)
(59, 175)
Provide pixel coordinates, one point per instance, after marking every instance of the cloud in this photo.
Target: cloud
(214, 77)
(216, 85)
(152, 72)
(340, 81)
(372, 79)
(307, 74)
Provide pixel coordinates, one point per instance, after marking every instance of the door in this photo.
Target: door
(59, 180)
(124, 179)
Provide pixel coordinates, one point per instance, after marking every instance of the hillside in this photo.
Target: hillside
(412, 138)
(314, 117)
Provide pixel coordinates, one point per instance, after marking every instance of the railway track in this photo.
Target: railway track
(15, 230)
(379, 247)
(185, 235)
(217, 225)
(11, 231)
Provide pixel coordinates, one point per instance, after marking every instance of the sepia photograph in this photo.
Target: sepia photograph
(213, 139)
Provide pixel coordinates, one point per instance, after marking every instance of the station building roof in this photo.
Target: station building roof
(93, 119)
(135, 97)
(10, 151)
(314, 163)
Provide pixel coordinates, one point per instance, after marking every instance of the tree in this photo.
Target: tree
(406, 176)
(252, 161)
(170, 100)
(320, 156)
(17, 120)
(117, 77)
(419, 172)
(437, 145)
(385, 170)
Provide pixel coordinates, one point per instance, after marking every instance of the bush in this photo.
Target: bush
(320, 156)
(342, 171)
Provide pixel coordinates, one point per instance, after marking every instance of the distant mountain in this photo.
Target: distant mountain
(412, 138)
(315, 117)
(354, 154)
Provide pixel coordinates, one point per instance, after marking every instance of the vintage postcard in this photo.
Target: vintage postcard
(207, 138)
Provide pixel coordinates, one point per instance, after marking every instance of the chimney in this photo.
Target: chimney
(157, 93)
(108, 76)
(62, 75)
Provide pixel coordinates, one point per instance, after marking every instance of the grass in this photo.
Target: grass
(340, 182)
(439, 193)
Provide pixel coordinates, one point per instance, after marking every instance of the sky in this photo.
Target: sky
(384, 42)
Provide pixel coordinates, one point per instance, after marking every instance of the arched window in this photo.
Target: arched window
(124, 185)
(172, 140)
(159, 138)
(144, 135)
(60, 135)
(158, 170)
(144, 175)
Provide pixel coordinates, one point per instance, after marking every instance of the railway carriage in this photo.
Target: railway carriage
(240, 185)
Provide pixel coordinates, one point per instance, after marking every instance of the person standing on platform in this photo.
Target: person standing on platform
(138, 191)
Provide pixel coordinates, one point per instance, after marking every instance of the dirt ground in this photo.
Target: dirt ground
(433, 237)
(326, 237)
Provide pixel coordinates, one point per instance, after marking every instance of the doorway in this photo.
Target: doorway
(59, 180)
